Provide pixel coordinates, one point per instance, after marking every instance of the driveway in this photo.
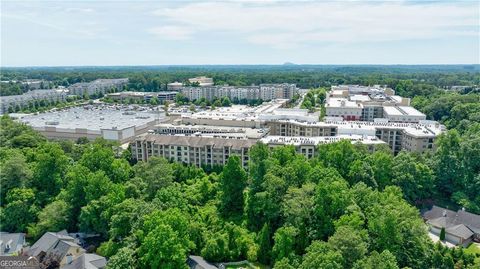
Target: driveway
(435, 239)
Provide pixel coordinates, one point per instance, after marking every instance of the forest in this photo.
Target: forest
(410, 80)
(345, 208)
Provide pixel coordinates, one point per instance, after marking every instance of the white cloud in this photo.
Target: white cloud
(172, 32)
(288, 24)
(79, 10)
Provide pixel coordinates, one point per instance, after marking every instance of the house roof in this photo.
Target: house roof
(437, 212)
(52, 242)
(442, 222)
(460, 223)
(61, 247)
(470, 220)
(87, 261)
(11, 242)
(197, 262)
(460, 231)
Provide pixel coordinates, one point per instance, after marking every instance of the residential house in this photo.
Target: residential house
(87, 261)
(197, 262)
(461, 227)
(59, 245)
(11, 243)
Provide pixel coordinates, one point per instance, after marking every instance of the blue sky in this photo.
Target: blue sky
(74, 33)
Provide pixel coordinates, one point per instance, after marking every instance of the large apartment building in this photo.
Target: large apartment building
(97, 86)
(263, 91)
(195, 150)
(418, 137)
(307, 146)
(12, 102)
(353, 103)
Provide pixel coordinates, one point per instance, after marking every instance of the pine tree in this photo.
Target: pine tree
(442, 234)
(265, 244)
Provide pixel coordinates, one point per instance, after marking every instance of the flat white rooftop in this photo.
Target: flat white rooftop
(359, 98)
(392, 111)
(342, 103)
(402, 110)
(240, 112)
(411, 111)
(92, 118)
(209, 130)
(425, 128)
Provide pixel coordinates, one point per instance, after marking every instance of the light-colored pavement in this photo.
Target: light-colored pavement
(435, 239)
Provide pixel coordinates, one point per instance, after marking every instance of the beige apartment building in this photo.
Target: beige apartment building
(399, 136)
(195, 150)
(295, 128)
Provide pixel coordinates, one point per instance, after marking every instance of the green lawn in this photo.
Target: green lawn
(473, 249)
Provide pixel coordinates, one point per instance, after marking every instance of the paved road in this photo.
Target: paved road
(300, 101)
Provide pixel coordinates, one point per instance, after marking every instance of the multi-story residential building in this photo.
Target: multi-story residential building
(294, 128)
(353, 102)
(344, 108)
(242, 93)
(34, 84)
(210, 150)
(307, 146)
(196, 150)
(13, 102)
(214, 131)
(277, 91)
(399, 136)
(264, 91)
(97, 86)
